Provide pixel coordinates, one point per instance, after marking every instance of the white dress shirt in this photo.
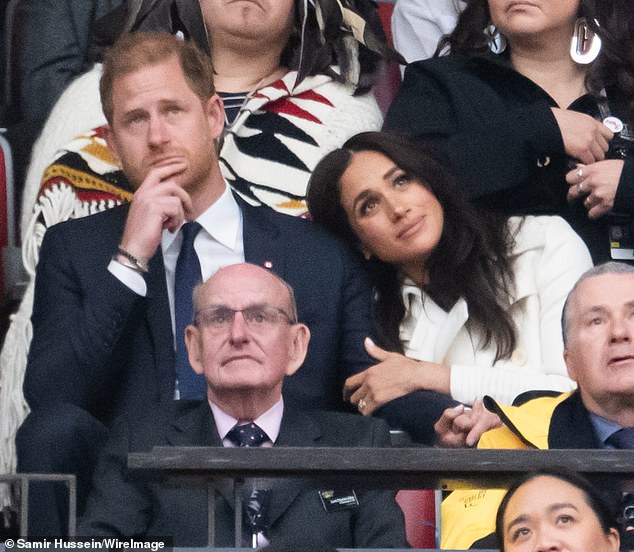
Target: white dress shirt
(269, 422)
(219, 243)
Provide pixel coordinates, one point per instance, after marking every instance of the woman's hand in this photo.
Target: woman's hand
(394, 376)
(585, 138)
(462, 426)
(598, 182)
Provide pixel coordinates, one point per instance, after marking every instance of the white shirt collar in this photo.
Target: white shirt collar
(221, 221)
(270, 421)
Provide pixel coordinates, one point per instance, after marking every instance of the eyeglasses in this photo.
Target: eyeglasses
(258, 318)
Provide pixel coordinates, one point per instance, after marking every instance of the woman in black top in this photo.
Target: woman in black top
(524, 129)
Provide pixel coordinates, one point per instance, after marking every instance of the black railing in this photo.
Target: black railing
(395, 468)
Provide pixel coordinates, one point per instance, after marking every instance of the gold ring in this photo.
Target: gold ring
(361, 405)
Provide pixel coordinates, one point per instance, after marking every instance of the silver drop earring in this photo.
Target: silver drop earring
(496, 40)
(585, 44)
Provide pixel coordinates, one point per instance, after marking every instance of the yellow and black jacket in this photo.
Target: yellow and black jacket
(549, 421)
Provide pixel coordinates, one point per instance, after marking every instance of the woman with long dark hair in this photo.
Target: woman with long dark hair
(467, 303)
(534, 109)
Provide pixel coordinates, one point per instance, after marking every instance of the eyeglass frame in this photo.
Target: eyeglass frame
(290, 320)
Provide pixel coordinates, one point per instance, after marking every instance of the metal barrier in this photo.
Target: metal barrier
(25, 478)
(392, 468)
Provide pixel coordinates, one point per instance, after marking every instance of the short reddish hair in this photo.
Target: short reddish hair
(136, 50)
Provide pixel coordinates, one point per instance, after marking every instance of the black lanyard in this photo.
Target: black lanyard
(622, 145)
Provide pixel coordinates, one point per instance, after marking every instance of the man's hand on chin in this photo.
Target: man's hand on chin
(159, 203)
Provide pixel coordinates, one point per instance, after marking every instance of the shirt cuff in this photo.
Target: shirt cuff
(128, 277)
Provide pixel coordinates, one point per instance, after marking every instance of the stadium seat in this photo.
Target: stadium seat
(419, 508)
(11, 271)
(6, 207)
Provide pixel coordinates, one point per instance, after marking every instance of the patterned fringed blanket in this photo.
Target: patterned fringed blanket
(82, 181)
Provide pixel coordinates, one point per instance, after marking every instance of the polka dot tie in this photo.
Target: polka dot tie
(247, 435)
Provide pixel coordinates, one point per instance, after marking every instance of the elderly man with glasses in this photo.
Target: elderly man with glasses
(245, 339)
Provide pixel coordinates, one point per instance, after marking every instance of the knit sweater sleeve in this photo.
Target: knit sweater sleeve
(351, 115)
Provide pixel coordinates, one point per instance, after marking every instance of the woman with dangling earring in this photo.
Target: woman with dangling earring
(534, 110)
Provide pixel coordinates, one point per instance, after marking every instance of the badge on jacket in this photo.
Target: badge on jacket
(336, 500)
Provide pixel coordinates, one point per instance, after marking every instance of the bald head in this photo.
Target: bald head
(245, 338)
(247, 274)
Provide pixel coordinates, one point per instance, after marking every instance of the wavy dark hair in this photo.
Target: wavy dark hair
(614, 68)
(470, 261)
(591, 495)
(612, 20)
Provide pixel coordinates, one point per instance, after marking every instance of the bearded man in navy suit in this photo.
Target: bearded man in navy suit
(105, 325)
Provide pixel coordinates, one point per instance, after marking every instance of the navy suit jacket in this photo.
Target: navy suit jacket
(121, 505)
(571, 426)
(100, 346)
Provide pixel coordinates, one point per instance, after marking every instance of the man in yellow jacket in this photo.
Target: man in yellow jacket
(598, 329)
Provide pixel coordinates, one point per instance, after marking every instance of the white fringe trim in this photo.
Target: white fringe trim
(57, 204)
(13, 407)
